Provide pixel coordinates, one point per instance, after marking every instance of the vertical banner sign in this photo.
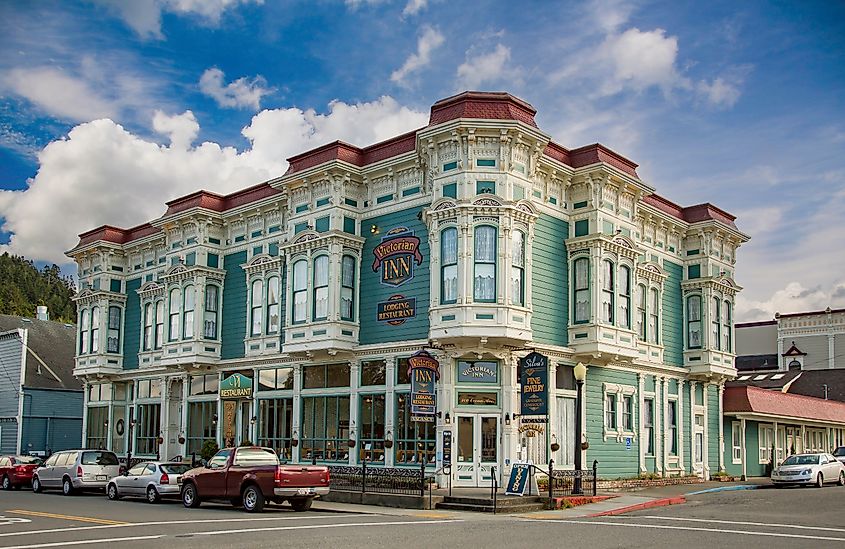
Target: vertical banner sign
(447, 448)
(518, 480)
(424, 371)
(534, 377)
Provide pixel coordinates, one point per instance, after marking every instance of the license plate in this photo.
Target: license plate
(305, 492)
(102, 477)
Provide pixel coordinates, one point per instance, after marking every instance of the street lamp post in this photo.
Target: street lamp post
(580, 375)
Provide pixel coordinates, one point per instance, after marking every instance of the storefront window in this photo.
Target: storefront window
(147, 428)
(371, 422)
(402, 375)
(204, 385)
(149, 388)
(373, 372)
(97, 427)
(325, 428)
(201, 425)
(325, 375)
(275, 379)
(413, 441)
(275, 420)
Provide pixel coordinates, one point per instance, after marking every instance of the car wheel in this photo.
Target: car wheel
(819, 481)
(253, 499)
(67, 487)
(301, 504)
(152, 495)
(111, 492)
(842, 478)
(7, 483)
(36, 485)
(190, 498)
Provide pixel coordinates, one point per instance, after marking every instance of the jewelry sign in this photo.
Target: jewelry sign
(534, 376)
(424, 371)
(396, 256)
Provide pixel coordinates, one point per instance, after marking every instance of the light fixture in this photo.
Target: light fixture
(253, 420)
(374, 229)
(213, 419)
(580, 372)
(448, 418)
(106, 423)
(507, 419)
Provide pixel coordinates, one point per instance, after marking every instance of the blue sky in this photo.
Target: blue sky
(107, 108)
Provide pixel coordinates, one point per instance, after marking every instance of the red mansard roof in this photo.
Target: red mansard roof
(116, 235)
(338, 150)
(691, 214)
(755, 400)
(484, 105)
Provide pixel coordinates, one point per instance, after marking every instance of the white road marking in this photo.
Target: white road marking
(693, 529)
(738, 522)
(318, 526)
(5, 521)
(166, 522)
(81, 542)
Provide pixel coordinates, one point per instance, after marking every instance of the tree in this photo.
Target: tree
(23, 287)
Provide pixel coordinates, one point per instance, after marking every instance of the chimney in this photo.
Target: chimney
(41, 313)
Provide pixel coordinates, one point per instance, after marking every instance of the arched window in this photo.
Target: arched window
(321, 287)
(727, 327)
(347, 289)
(449, 265)
(84, 327)
(300, 291)
(273, 305)
(188, 313)
(581, 291)
(518, 268)
(256, 307)
(174, 306)
(654, 316)
(624, 297)
(715, 323)
(607, 291)
(95, 329)
(113, 336)
(485, 264)
(159, 334)
(148, 326)
(212, 295)
(694, 322)
(642, 297)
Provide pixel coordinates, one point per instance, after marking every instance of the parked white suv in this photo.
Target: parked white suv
(73, 470)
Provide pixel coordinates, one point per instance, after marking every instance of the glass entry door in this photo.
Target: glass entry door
(477, 450)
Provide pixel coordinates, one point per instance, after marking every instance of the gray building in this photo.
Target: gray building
(40, 400)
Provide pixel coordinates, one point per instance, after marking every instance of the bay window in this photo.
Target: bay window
(449, 265)
(347, 288)
(694, 322)
(727, 326)
(148, 326)
(256, 307)
(212, 294)
(159, 325)
(95, 329)
(625, 297)
(175, 305)
(300, 291)
(607, 289)
(188, 314)
(113, 336)
(485, 264)
(715, 319)
(582, 290)
(518, 268)
(641, 312)
(84, 327)
(321, 287)
(654, 318)
(272, 304)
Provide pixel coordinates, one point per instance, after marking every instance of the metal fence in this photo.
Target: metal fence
(379, 480)
(573, 483)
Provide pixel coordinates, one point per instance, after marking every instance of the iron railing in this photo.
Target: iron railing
(564, 482)
(380, 480)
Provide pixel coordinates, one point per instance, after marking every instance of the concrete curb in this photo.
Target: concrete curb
(662, 502)
(728, 489)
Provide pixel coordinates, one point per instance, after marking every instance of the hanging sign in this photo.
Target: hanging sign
(396, 310)
(424, 371)
(534, 377)
(396, 255)
(447, 448)
(518, 480)
(236, 386)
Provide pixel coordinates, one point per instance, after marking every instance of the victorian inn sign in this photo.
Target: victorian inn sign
(372, 303)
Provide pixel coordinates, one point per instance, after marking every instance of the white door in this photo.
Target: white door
(477, 450)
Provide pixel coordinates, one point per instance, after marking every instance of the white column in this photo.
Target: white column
(777, 443)
(510, 406)
(681, 435)
(744, 451)
(640, 423)
(464, 262)
(254, 428)
(553, 426)
(219, 430)
(803, 439)
(692, 385)
(705, 450)
(296, 420)
(84, 442)
(390, 408)
(164, 419)
(721, 427)
(183, 422)
(659, 424)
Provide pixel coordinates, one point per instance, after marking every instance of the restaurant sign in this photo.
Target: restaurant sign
(396, 310)
(236, 386)
(534, 377)
(396, 255)
(424, 371)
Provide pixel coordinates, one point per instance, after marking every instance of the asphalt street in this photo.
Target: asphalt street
(755, 519)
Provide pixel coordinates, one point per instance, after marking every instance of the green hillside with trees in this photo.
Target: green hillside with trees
(23, 287)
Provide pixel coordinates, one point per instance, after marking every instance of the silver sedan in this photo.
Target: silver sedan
(152, 480)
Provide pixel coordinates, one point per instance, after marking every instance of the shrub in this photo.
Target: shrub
(209, 448)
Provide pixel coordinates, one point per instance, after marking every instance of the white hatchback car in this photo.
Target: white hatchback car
(818, 469)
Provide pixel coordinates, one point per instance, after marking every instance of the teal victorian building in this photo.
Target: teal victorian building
(476, 238)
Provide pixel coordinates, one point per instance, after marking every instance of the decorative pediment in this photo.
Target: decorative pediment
(262, 263)
(305, 236)
(527, 207)
(151, 289)
(443, 204)
(488, 201)
(651, 271)
(794, 351)
(624, 241)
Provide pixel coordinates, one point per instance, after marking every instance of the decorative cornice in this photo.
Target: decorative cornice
(312, 240)
(91, 297)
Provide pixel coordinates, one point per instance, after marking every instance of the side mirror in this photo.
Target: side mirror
(214, 466)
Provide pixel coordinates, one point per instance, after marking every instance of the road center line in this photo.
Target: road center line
(166, 522)
(318, 526)
(694, 529)
(82, 542)
(42, 514)
(737, 522)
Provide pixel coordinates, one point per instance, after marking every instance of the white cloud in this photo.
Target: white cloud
(355, 4)
(794, 298)
(640, 60)
(144, 16)
(413, 7)
(487, 68)
(102, 173)
(430, 39)
(237, 93)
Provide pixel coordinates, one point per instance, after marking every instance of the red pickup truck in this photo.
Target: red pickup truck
(252, 476)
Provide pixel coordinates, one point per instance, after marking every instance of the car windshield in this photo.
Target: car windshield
(99, 458)
(27, 460)
(801, 460)
(174, 468)
(839, 452)
(256, 456)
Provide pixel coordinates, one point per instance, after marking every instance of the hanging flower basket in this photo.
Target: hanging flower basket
(294, 442)
(351, 443)
(181, 440)
(585, 445)
(160, 440)
(388, 443)
(555, 446)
